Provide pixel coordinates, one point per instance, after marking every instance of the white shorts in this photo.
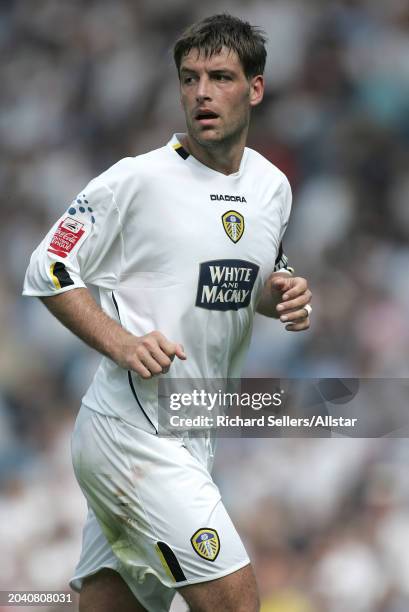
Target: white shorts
(155, 515)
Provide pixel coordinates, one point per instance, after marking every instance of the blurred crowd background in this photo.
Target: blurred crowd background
(84, 83)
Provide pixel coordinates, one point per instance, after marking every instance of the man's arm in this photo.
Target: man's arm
(88, 244)
(285, 297)
(147, 355)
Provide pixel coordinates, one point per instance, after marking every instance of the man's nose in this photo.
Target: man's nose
(203, 89)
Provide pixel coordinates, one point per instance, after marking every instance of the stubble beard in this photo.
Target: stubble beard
(224, 138)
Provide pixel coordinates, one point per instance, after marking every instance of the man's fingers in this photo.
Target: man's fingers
(143, 371)
(298, 302)
(171, 348)
(155, 355)
(295, 296)
(281, 283)
(161, 358)
(298, 287)
(294, 315)
(150, 364)
(180, 352)
(304, 324)
(278, 281)
(290, 287)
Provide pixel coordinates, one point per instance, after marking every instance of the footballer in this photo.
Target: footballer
(184, 244)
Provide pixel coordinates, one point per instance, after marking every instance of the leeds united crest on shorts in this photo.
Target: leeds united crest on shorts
(233, 223)
(206, 543)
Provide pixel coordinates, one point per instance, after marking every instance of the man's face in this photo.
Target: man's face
(217, 96)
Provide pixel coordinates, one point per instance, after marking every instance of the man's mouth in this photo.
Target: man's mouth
(205, 116)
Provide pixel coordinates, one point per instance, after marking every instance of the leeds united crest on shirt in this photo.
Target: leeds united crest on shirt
(233, 223)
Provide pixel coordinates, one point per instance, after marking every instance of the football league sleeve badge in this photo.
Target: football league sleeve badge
(73, 228)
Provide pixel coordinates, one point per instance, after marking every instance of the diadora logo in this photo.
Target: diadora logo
(227, 198)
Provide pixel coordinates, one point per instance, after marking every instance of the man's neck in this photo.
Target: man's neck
(224, 158)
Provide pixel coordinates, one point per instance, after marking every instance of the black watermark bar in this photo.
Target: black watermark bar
(269, 408)
(35, 598)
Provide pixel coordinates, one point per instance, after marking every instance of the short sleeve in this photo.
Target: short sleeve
(77, 248)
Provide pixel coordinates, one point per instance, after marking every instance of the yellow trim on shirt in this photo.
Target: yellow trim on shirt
(53, 277)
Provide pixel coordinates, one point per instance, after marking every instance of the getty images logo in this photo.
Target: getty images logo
(217, 197)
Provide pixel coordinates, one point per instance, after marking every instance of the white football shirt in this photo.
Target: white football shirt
(172, 246)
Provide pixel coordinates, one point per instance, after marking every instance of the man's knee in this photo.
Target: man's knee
(236, 592)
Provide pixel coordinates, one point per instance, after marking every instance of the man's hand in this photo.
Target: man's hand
(285, 297)
(148, 355)
(295, 295)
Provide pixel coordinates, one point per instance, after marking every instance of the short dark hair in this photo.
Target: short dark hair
(224, 30)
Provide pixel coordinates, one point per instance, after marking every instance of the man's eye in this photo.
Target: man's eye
(188, 80)
(222, 77)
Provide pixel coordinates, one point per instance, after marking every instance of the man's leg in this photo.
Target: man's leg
(106, 591)
(236, 592)
(162, 515)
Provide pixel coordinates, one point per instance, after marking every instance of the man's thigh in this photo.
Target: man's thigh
(236, 592)
(106, 591)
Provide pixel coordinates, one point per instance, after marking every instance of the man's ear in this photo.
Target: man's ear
(256, 90)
